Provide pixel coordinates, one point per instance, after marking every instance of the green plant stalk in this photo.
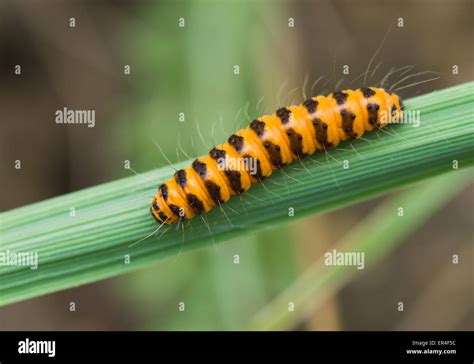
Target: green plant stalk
(376, 236)
(94, 244)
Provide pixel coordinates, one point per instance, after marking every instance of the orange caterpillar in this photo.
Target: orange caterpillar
(272, 141)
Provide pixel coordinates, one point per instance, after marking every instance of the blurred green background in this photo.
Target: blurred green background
(190, 70)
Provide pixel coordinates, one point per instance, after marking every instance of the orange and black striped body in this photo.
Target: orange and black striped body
(271, 142)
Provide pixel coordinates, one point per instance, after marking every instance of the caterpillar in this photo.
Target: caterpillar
(271, 142)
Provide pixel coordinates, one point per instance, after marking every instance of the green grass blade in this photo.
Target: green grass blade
(91, 245)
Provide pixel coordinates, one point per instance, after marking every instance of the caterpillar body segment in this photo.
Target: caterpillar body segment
(271, 142)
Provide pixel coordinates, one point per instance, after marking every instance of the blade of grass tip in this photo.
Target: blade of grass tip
(93, 243)
(376, 236)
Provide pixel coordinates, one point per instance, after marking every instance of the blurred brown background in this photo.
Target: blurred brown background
(190, 70)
